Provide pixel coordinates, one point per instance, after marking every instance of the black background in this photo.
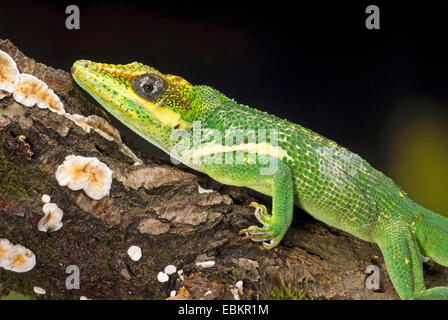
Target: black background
(315, 64)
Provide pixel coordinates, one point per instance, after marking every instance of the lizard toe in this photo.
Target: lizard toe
(258, 234)
(261, 213)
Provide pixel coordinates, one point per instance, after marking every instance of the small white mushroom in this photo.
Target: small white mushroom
(162, 277)
(135, 253)
(205, 264)
(46, 198)
(29, 91)
(51, 221)
(39, 290)
(8, 73)
(88, 174)
(170, 269)
(173, 293)
(5, 247)
(84, 298)
(20, 259)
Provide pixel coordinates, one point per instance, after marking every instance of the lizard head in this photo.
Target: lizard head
(136, 91)
(150, 103)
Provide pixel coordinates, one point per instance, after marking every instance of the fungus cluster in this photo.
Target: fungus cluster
(16, 258)
(25, 88)
(85, 173)
(163, 276)
(30, 91)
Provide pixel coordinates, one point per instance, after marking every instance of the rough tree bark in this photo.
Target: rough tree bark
(158, 207)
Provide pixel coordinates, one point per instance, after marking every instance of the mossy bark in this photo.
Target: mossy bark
(163, 213)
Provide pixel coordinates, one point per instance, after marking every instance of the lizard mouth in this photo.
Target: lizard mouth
(79, 63)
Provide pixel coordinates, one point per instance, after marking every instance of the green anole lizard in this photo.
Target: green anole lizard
(292, 164)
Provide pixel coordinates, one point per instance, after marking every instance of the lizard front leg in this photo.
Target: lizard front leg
(278, 185)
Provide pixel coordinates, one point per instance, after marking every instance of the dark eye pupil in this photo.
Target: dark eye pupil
(147, 87)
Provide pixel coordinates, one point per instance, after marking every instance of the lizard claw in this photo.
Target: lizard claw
(261, 213)
(265, 234)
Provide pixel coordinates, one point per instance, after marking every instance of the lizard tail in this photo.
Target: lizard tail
(432, 236)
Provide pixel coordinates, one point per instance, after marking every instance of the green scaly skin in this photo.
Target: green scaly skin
(331, 183)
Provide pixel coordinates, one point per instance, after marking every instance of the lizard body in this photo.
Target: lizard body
(243, 146)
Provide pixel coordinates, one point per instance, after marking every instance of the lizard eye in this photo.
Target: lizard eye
(149, 86)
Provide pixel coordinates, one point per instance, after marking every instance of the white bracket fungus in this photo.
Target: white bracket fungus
(88, 174)
(51, 221)
(104, 129)
(79, 120)
(16, 258)
(29, 91)
(8, 73)
(135, 253)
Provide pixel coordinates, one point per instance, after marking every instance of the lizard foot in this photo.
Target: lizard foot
(267, 232)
